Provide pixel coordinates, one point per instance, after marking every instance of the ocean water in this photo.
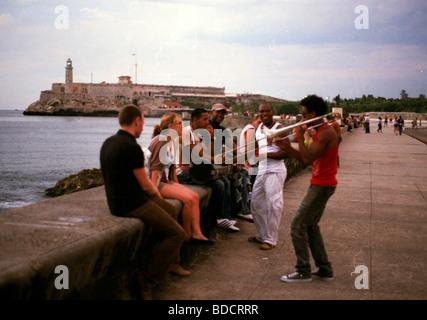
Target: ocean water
(37, 151)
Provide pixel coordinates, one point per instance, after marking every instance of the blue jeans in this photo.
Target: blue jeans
(220, 202)
(240, 192)
(305, 230)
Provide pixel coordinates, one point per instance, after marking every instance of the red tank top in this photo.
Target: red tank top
(325, 167)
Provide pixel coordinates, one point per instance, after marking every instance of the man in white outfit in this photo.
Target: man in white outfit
(267, 192)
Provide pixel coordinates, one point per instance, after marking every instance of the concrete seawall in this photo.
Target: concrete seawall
(100, 252)
(76, 231)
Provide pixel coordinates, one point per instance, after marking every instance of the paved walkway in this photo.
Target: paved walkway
(377, 218)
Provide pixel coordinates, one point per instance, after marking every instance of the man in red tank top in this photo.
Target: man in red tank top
(305, 232)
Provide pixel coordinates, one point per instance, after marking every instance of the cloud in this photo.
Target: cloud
(281, 48)
(5, 19)
(26, 2)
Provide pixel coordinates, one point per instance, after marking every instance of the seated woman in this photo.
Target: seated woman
(163, 174)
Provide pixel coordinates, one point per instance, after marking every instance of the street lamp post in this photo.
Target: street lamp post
(136, 68)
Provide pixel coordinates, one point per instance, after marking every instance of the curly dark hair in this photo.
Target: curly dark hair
(314, 103)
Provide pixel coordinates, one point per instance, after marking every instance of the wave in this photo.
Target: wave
(13, 204)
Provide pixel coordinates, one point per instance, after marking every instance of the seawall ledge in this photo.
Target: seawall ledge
(76, 231)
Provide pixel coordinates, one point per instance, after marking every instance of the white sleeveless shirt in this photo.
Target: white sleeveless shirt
(268, 165)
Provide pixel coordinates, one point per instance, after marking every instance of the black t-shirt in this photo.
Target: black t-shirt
(225, 135)
(120, 155)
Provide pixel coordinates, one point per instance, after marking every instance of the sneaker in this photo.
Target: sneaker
(226, 224)
(247, 217)
(296, 277)
(322, 275)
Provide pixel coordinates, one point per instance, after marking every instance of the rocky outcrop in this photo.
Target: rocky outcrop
(83, 180)
(81, 105)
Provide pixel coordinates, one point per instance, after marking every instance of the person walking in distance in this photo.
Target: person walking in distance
(305, 231)
(367, 123)
(130, 193)
(380, 125)
(400, 124)
(335, 125)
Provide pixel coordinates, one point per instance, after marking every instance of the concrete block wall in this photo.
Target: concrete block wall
(101, 252)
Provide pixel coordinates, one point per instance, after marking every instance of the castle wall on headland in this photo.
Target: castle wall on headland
(108, 98)
(135, 90)
(85, 99)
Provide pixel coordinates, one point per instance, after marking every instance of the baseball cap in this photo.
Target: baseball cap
(219, 106)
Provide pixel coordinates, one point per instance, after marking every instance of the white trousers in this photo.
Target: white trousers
(267, 205)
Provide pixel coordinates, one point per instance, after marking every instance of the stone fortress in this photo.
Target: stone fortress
(106, 99)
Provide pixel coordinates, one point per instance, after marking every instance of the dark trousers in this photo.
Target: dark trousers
(220, 202)
(305, 230)
(161, 215)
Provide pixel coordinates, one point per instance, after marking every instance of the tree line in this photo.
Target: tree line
(367, 103)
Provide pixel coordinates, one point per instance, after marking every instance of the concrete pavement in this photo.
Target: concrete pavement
(376, 221)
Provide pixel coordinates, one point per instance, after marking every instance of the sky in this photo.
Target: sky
(285, 49)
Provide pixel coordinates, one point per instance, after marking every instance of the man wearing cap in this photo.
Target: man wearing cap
(237, 186)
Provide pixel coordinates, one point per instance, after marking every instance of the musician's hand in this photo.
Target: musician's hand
(300, 132)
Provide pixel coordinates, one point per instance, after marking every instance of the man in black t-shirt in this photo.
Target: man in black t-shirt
(130, 193)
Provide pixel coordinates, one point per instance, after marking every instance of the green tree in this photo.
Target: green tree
(337, 100)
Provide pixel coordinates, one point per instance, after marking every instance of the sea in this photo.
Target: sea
(37, 151)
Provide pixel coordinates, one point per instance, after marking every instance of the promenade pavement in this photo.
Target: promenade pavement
(376, 219)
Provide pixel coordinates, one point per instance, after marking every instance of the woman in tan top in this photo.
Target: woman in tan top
(163, 174)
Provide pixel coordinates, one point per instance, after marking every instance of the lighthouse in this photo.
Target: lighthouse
(69, 76)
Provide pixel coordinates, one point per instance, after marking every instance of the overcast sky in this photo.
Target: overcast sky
(285, 49)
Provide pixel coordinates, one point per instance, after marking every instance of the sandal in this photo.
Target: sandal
(266, 246)
(254, 239)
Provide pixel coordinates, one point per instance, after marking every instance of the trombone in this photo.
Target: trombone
(271, 133)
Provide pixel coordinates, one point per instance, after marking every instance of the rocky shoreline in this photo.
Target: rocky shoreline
(85, 179)
(91, 178)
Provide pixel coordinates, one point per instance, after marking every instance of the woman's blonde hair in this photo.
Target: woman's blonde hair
(167, 119)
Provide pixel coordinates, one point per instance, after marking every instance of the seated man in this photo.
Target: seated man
(130, 193)
(220, 190)
(238, 204)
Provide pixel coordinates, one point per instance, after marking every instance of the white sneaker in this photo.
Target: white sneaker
(227, 224)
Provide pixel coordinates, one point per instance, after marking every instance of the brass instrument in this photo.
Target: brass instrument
(269, 133)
